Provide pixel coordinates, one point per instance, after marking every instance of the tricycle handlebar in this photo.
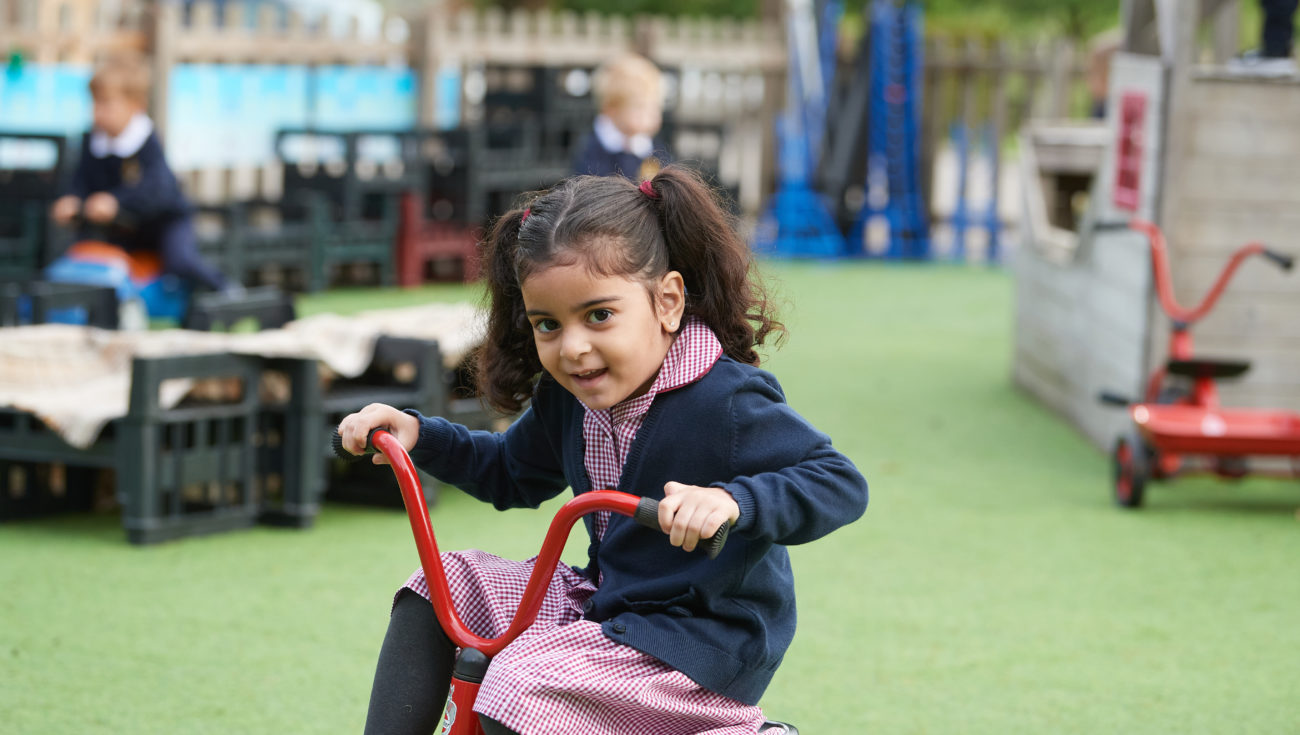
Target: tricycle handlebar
(644, 510)
(1164, 282)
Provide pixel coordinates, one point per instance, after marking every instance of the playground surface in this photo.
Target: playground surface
(992, 587)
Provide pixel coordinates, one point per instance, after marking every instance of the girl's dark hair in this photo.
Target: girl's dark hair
(613, 227)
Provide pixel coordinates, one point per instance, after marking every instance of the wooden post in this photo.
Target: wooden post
(424, 61)
(1138, 19)
(1179, 78)
(1226, 17)
(965, 117)
(1060, 72)
(1033, 65)
(774, 91)
(931, 104)
(645, 35)
(164, 21)
(998, 63)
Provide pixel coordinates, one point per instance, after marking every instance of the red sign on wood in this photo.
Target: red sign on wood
(1128, 164)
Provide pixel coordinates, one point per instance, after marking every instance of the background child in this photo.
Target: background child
(122, 178)
(627, 316)
(629, 91)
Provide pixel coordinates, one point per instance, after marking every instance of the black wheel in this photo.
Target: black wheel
(1130, 460)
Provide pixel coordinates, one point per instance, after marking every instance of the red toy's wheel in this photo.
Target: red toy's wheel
(1130, 470)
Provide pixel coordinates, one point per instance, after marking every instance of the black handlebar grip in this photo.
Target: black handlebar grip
(1105, 226)
(336, 444)
(647, 514)
(1283, 261)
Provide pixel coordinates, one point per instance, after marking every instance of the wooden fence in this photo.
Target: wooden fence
(69, 31)
(979, 93)
(745, 60)
(726, 71)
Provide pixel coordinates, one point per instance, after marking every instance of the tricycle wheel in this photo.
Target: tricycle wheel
(1130, 470)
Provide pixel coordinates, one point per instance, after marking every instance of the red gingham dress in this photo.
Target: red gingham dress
(563, 675)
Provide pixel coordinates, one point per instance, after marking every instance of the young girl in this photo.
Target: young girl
(627, 316)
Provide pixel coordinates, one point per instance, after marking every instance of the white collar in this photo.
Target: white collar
(127, 143)
(614, 141)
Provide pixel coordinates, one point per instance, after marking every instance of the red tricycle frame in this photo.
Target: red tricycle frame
(459, 718)
(476, 651)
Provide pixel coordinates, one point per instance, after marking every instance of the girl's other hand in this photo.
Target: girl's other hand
(355, 428)
(689, 512)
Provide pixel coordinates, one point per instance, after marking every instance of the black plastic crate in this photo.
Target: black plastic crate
(445, 156)
(192, 468)
(404, 373)
(265, 306)
(359, 175)
(198, 467)
(41, 302)
(351, 169)
(369, 241)
(33, 489)
(291, 432)
(22, 234)
(32, 166)
(275, 242)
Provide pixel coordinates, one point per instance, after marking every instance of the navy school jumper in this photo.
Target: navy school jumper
(725, 623)
(594, 159)
(143, 184)
(157, 213)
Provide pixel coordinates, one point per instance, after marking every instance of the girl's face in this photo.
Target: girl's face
(602, 337)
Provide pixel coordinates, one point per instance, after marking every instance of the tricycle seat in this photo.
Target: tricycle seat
(1208, 368)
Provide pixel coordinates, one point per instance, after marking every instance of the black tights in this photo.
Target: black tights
(414, 673)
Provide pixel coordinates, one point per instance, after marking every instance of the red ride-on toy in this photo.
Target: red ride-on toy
(476, 652)
(1179, 426)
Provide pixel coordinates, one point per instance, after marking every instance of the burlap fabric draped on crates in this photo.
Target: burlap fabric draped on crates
(77, 379)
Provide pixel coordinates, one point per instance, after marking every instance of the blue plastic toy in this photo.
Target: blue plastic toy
(893, 150)
(137, 278)
(797, 221)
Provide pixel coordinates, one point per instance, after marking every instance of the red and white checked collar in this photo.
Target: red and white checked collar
(608, 433)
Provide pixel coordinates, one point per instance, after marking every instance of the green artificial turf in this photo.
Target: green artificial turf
(991, 587)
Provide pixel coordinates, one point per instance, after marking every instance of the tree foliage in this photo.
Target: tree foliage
(1077, 18)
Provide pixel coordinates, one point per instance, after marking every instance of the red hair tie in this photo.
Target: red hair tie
(524, 218)
(648, 190)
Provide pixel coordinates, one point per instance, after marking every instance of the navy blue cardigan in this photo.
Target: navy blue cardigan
(143, 184)
(725, 623)
(594, 159)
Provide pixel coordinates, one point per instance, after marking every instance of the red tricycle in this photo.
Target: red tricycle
(1179, 426)
(476, 652)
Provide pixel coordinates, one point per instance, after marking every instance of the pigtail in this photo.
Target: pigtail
(722, 285)
(507, 362)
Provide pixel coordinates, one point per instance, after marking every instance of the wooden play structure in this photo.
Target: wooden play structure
(1208, 154)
